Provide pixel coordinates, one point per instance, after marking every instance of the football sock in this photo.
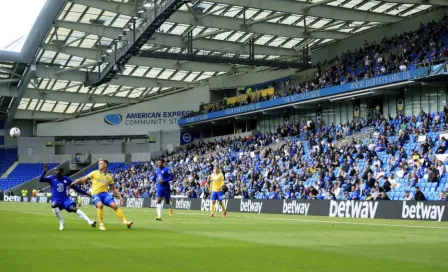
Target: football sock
(212, 209)
(159, 210)
(57, 212)
(170, 205)
(120, 214)
(99, 213)
(223, 207)
(83, 216)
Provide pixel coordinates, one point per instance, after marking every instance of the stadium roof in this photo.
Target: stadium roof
(222, 29)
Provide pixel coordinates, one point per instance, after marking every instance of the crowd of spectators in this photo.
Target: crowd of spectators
(305, 164)
(424, 47)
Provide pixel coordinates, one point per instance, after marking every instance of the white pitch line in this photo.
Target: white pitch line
(327, 221)
(305, 220)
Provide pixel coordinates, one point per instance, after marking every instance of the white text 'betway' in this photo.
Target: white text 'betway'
(422, 211)
(353, 209)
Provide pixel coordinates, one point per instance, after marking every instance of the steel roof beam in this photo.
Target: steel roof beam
(130, 81)
(25, 80)
(420, 2)
(323, 11)
(215, 21)
(65, 96)
(323, 2)
(41, 115)
(257, 26)
(194, 66)
(171, 40)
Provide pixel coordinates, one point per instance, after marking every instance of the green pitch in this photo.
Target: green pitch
(191, 241)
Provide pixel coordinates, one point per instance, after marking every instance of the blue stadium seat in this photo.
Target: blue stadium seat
(23, 173)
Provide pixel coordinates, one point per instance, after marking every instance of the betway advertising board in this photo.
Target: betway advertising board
(410, 210)
(139, 119)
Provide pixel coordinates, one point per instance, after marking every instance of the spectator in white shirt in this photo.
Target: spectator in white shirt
(400, 172)
(403, 67)
(441, 168)
(408, 196)
(337, 190)
(393, 181)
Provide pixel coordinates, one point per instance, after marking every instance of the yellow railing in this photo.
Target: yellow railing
(253, 95)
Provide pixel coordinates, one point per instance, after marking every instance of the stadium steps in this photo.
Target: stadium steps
(356, 137)
(10, 169)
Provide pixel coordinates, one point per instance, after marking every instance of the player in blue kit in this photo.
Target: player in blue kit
(163, 175)
(60, 200)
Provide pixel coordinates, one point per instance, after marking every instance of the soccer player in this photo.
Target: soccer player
(101, 180)
(60, 199)
(216, 186)
(163, 175)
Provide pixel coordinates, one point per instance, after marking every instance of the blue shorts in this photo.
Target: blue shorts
(165, 193)
(105, 198)
(216, 196)
(63, 204)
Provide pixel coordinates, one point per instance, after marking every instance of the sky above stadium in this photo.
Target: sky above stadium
(17, 18)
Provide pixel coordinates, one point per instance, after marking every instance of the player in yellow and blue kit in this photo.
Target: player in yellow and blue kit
(216, 187)
(101, 181)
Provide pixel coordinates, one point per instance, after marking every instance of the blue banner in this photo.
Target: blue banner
(188, 137)
(369, 83)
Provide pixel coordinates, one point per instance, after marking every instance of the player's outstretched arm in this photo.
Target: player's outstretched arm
(42, 177)
(81, 180)
(79, 190)
(76, 188)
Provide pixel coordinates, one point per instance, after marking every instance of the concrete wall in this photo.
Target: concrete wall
(109, 157)
(45, 159)
(337, 48)
(241, 80)
(136, 157)
(26, 129)
(35, 146)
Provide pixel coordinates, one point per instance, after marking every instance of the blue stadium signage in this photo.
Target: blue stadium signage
(369, 83)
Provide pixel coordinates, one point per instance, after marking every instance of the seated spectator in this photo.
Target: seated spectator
(387, 186)
(383, 196)
(442, 196)
(419, 196)
(433, 175)
(408, 196)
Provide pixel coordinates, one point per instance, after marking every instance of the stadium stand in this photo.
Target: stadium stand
(307, 166)
(424, 47)
(23, 173)
(7, 157)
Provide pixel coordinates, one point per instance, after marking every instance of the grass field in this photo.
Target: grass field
(191, 241)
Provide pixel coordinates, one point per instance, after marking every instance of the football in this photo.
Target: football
(14, 132)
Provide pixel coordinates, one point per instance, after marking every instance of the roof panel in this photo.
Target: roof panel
(83, 14)
(60, 107)
(72, 108)
(24, 103)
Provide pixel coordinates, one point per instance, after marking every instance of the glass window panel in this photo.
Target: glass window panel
(424, 98)
(72, 108)
(47, 105)
(60, 107)
(23, 103)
